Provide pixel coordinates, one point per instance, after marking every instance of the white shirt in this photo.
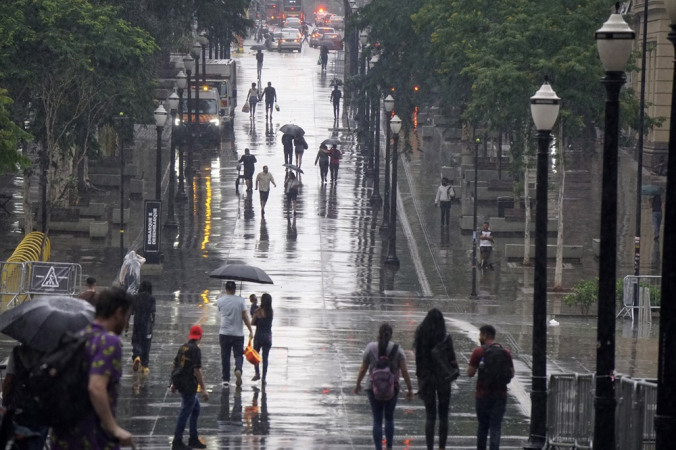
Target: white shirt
(444, 194)
(264, 179)
(231, 308)
(484, 242)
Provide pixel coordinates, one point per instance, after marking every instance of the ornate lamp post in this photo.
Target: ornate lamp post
(391, 259)
(181, 81)
(544, 106)
(196, 50)
(615, 41)
(204, 41)
(385, 227)
(173, 106)
(160, 120)
(189, 63)
(474, 233)
(363, 40)
(375, 148)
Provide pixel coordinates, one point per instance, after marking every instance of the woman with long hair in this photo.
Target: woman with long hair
(262, 319)
(436, 368)
(374, 356)
(144, 320)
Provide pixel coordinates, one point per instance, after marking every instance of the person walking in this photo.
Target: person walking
(300, 146)
(186, 376)
(252, 98)
(129, 277)
(323, 160)
(496, 369)
(259, 63)
(436, 368)
(103, 365)
(336, 95)
(231, 335)
(335, 156)
(324, 57)
(249, 161)
(445, 193)
(287, 142)
(292, 186)
(384, 360)
(90, 295)
(142, 333)
(485, 246)
(262, 320)
(263, 181)
(270, 95)
(656, 204)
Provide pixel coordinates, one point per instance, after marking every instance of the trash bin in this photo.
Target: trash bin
(504, 203)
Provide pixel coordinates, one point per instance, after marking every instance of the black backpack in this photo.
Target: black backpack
(183, 381)
(496, 371)
(58, 384)
(440, 353)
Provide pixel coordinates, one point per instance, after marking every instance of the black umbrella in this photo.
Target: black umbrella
(40, 323)
(292, 130)
(258, 47)
(241, 272)
(328, 142)
(293, 167)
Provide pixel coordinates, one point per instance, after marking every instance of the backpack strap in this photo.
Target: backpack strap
(392, 355)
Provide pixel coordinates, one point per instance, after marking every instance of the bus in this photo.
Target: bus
(294, 8)
(274, 12)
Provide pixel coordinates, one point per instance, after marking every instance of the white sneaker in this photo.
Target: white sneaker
(226, 384)
(238, 375)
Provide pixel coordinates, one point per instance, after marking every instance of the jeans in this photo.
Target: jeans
(269, 106)
(336, 110)
(288, 155)
(323, 170)
(190, 407)
(260, 70)
(263, 341)
(334, 171)
(489, 411)
(234, 344)
(382, 409)
(445, 212)
(657, 221)
(430, 399)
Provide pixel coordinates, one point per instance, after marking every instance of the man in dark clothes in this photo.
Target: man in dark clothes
(259, 63)
(90, 295)
(270, 95)
(287, 142)
(335, 99)
(249, 162)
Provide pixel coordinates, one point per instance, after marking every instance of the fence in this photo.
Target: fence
(648, 296)
(35, 246)
(570, 416)
(339, 64)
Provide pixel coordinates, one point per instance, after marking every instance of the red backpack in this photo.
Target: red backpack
(384, 377)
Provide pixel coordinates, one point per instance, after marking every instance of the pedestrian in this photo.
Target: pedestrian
(259, 59)
(336, 95)
(231, 335)
(103, 364)
(656, 204)
(335, 157)
(384, 360)
(252, 98)
(486, 246)
(254, 305)
(90, 295)
(292, 187)
(270, 95)
(436, 368)
(323, 160)
(306, 33)
(130, 272)
(324, 57)
(263, 181)
(287, 142)
(21, 361)
(144, 321)
(496, 369)
(259, 37)
(445, 193)
(249, 162)
(262, 319)
(186, 376)
(300, 146)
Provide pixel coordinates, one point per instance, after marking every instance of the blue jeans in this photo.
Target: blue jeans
(382, 409)
(234, 344)
(490, 412)
(190, 407)
(657, 221)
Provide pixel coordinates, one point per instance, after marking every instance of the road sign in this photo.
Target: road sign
(52, 278)
(152, 231)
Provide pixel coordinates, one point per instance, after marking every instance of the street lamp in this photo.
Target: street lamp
(204, 41)
(544, 106)
(173, 102)
(160, 119)
(181, 82)
(376, 199)
(391, 259)
(385, 227)
(363, 40)
(614, 41)
(189, 64)
(196, 50)
(474, 232)
(666, 395)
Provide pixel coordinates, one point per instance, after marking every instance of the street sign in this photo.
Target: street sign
(52, 278)
(152, 231)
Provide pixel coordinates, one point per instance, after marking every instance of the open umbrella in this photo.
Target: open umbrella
(258, 47)
(331, 141)
(293, 167)
(40, 323)
(651, 190)
(241, 272)
(292, 130)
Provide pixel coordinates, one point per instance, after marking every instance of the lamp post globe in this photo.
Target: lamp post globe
(363, 38)
(181, 80)
(189, 63)
(196, 50)
(389, 103)
(614, 41)
(203, 39)
(173, 101)
(160, 116)
(544, 107)
(374, 60)
(395, 125)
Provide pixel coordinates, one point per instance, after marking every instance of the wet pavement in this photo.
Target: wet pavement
(331, 290)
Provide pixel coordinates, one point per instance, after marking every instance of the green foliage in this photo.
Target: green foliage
(10, 137)
(584, 294)
(655, 292)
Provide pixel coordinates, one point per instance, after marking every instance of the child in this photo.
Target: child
(254, 304)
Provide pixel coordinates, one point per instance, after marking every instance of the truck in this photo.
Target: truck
(211, 124)
(222, 75)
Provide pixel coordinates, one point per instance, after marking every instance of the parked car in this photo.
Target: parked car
(332, 41)
(289, 41)
(317, 34)
(292, 22)
(336, 22)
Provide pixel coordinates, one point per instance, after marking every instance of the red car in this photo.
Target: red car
(332, 41)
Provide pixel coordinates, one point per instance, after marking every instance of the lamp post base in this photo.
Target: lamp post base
(385, 229)
(391, 261)
(181, 196)
(376, 199)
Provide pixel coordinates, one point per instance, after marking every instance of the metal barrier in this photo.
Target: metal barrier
(570, 416)
(648, 296)
(635, 414)
(35, 246)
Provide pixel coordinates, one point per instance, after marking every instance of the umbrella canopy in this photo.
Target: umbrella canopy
(292, 130)
(293, 167)
(331, 141)
(241, 272)
(651, 190)
(40, 323)
(258, 47)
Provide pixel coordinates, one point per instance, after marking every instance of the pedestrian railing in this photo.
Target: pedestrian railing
(570, 416)
(647, 288)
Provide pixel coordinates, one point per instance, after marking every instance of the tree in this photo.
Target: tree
(10, 137)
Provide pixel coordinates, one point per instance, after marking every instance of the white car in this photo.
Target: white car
(289, 41)
(336, 22)
(292, 22)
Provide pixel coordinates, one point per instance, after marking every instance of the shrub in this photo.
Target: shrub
(583, 295)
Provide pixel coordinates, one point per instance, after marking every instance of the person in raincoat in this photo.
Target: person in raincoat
(130, 272)
(142, 334)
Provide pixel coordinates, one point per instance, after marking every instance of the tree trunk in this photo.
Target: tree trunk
(526, 195)
(558, 272)
(27, 206)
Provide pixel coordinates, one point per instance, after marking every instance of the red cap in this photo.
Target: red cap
(195, 332)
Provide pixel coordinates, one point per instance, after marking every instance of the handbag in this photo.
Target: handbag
(245, 108)
(276, 107)
(252, 355)
(319, 61)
